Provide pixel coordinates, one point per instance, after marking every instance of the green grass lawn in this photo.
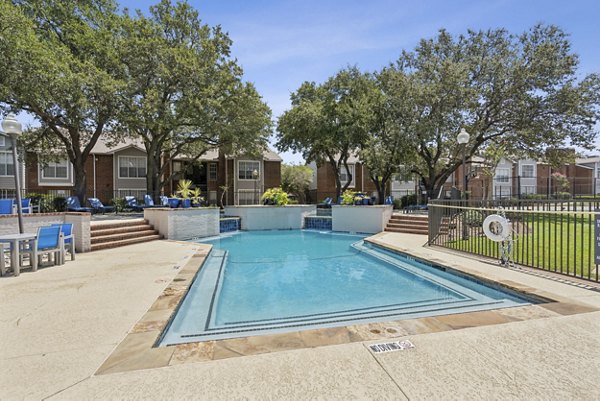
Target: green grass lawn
(550, 242)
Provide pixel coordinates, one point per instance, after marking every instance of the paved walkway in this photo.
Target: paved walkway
(59, 324)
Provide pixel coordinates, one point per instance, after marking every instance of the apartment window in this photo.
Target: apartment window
(528, 189)
(132, 167)
(2, 140)
(7, 167)
(598, 172)
(502, 175)
(58, 170)
(344, 176)
(527, 171)
(245, 169)
(212, 171)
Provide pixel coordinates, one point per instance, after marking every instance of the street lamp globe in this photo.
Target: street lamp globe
(11, 126)
(463, 137)
(255, 174)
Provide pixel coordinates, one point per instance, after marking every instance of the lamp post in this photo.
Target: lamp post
(463, 140)
(12, 128)
(255, 177)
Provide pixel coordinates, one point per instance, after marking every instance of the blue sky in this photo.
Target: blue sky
(280, 44)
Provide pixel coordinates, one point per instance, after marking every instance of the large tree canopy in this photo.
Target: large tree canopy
(518, 91)
(328, 122)
(184, 93)
(59, 64)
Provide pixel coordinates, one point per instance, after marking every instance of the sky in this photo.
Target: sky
(281, 44)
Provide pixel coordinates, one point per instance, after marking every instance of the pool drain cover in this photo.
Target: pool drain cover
(389, 347)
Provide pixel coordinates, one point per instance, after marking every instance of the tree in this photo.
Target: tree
(59, 64)
(521, 91)
(328, 122)
(388, 148)
(184, 95)
(296, 180)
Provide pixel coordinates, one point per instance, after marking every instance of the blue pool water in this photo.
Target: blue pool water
(272, 281)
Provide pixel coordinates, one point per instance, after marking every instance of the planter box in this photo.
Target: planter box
(261, 217)
(181, 224)
(361, 219)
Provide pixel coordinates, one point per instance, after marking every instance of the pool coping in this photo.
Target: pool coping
(138, 350)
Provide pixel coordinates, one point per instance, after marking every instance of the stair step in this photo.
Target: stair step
(115, 244)
(410, 223)
(409, 217)
(117, 224)
(406, 230)
(120, 230)
(123, 236)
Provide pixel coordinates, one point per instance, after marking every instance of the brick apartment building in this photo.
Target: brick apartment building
(120, 170)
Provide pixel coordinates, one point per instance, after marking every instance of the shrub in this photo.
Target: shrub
(413, 199)
(562, 195)
(275, 196)
(119, 204)
(45, 202)
(348, 197)
(59, 204)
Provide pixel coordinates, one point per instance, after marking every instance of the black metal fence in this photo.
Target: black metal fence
(556, 236)
(554, 186)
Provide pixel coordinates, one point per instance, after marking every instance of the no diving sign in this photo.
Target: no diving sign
(390, 347)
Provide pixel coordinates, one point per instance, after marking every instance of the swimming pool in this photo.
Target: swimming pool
(260, 282)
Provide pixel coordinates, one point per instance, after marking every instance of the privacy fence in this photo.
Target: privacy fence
(556, 236)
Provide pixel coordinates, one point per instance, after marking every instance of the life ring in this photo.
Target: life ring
(496, 227)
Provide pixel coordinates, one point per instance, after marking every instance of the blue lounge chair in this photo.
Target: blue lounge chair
(99, 207)
(6, 206)
(149, 202)
(326, 204)
(132, 204)
(73, 205)
(68, 239)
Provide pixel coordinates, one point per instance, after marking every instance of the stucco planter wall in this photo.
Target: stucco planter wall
(361, 219)
(260, 217)
(180, 224)
(31, 222)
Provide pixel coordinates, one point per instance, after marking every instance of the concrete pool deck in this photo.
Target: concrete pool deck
(60, 324)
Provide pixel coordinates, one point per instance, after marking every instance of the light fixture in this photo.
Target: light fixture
(13, 128)
(463, 137)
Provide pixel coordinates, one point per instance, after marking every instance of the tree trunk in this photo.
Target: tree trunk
(153, 168)
(80, 180)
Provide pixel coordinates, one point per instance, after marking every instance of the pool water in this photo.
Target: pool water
(262, 282)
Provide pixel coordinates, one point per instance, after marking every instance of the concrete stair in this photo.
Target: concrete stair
(116, 233)
(409, 224)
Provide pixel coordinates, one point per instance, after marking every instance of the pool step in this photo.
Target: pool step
(117, 233)
(409, 224)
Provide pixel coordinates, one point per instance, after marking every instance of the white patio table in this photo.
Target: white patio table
(15, 240)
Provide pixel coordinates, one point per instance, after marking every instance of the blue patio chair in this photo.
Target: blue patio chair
(48, 243)
(68, 239)
(389, 200)
(6, 206)
(98, 206)
(132, 204)
(73, 205)
(26, 206)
